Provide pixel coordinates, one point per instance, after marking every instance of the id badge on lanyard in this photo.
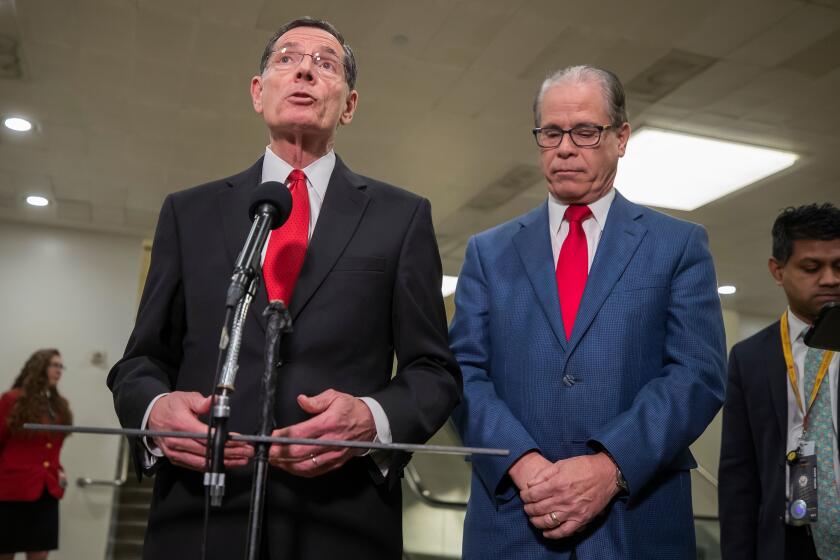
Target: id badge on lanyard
(802, 462)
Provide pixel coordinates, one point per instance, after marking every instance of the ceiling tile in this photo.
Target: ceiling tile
(725, 27)
(242, 13)
(108, 215)
(710, 86)
(796, 31)
(164, 37)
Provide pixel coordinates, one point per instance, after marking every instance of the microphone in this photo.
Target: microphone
(270, 206)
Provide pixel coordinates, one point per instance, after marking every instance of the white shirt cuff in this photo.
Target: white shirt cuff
(383, 434)
(153, 452)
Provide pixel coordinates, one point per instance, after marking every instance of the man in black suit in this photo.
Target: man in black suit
(762, 417)
(366, 287)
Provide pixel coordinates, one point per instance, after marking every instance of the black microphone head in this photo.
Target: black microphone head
(273, 198)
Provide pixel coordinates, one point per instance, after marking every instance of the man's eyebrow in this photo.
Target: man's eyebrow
(327, 49)
(296, 45)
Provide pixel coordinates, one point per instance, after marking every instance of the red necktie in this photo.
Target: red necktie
(572, 266)
(287, 244)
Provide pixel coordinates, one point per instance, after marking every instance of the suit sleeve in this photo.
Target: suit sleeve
(153, 354)
(427, 384)
(739, 492)
(673, 409)
(483, 419)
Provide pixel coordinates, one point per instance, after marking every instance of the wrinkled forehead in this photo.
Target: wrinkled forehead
(576, 97)
(310, 39)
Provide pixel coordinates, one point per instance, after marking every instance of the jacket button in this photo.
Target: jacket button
(568, 380)
(46, 464)
(49, 445)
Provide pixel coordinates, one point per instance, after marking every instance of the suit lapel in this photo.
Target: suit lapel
(233, 206)
(533, 243)
(777, 380)
(344, 205)
(621, 237)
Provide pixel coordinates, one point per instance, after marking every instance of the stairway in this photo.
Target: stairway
(129, 519)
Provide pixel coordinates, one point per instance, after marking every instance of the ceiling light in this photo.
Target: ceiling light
(683, 172)
(447, 287)
(37, 200)
(727, 290)
(18, 124)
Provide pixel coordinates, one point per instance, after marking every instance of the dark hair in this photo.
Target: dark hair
(350, 70)
(812, 221)
(37, 402)
(610, 86)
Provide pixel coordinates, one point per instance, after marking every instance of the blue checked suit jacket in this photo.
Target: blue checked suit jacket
(642, 377)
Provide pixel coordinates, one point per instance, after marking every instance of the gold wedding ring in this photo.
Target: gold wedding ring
(314, 460)
(553, 517)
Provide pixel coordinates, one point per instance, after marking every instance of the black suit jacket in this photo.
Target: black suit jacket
(751, 490)
(369, 289)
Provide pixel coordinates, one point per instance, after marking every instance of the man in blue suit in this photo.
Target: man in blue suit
(590, 337)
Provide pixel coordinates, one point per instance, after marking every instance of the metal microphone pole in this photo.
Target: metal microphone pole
(279, 322)
(214, 478)
(270, 208)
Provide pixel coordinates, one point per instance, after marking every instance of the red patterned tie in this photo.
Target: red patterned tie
(572, 266)
(287, 244)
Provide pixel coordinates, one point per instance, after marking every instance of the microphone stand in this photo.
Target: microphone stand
(279, 322)
(241, 291)
(214, 478)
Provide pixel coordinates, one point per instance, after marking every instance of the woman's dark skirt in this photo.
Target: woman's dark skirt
(29, 526)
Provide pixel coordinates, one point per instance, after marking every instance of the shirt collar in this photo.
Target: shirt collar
(796, 327)
(600, 208)
(318, 172)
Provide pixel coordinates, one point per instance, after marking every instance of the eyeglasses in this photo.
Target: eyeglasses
(584, 136)
(328, 65)
(59, 366)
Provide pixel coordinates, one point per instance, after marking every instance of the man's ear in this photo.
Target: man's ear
(349, 107)
(776, 270)
(256, 93)
(623, 138)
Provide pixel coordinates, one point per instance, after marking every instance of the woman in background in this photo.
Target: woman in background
(31, 478)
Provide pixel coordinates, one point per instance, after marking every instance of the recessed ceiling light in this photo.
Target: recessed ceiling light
(37, 200)
(727, 290)
(683, 172)
(18, 124)
(447, 287)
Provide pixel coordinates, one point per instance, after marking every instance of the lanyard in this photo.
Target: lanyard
(791, 369)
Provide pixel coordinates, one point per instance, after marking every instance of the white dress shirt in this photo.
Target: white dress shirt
(593, 227)
(797, 328)
(318, 175)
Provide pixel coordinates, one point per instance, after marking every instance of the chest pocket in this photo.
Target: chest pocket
(360, 264)
(645, 282)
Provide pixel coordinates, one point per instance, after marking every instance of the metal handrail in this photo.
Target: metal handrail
(122, 472)
(710, 478)
(415, 483)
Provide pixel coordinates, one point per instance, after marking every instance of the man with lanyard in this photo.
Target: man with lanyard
(780, 415)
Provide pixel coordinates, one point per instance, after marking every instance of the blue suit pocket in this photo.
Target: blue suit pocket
(644, 282)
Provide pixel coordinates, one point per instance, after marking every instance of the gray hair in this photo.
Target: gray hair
(610, 86)
(350, 69)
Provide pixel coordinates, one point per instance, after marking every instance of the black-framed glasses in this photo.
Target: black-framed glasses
(583, 136)
(328, 65)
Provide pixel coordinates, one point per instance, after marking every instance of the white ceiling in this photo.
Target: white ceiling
(136, 99)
